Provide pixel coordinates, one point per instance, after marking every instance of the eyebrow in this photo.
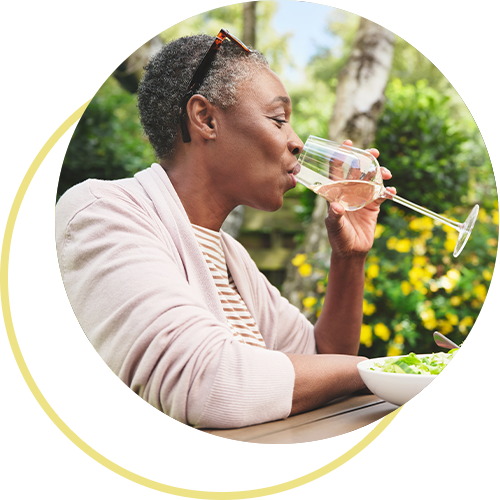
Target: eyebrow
(284, 99)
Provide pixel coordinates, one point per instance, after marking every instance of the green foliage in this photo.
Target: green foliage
(273, 46)
(413, 285)
(410, 66)
(431, 144)
(107, 142)
(327, 63)
(421, 146)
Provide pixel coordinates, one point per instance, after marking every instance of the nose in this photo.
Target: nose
(295, 145)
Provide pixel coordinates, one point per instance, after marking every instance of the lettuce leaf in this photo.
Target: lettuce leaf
(432, 364)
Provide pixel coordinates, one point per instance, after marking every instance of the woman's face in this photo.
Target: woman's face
(256, 144)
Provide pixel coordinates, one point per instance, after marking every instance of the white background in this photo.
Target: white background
(55, 57)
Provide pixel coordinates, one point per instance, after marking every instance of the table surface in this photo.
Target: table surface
(340, 416)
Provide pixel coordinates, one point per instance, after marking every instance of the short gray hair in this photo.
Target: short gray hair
(168, 74)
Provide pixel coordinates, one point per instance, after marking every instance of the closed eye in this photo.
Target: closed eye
(280, 122)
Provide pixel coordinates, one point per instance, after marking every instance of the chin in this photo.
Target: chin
(268, 205)
(275, 207)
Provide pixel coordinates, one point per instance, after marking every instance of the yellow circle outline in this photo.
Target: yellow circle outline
(9, 326)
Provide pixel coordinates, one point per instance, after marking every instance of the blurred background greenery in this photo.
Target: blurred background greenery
(425, 135)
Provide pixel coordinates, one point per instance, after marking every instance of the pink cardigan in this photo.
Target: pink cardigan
(144, 296)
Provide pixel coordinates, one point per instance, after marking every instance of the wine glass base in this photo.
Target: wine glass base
(465, 231)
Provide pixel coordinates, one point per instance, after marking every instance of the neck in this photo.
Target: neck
(200, 193)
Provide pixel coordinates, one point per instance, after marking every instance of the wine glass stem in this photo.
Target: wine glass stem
(422, 210)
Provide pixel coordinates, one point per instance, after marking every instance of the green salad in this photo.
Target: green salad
(431, 364)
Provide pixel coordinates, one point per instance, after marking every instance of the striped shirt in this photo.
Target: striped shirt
(239, 318)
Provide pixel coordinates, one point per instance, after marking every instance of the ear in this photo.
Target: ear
(201, 120)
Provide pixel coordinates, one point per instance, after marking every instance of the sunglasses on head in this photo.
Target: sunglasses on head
(201, 73)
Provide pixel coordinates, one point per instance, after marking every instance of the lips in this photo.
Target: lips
(294, 172)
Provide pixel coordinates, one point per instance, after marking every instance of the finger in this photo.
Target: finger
(386, 173)
(389, 191)
(374, 152)
(335, 210)
(347, 142)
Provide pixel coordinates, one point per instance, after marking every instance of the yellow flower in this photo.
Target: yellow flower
(494, 217)
(392, 242)
(431, 270)
(415, 273)
(305, 270)
(492, 242)
(448, 229)
(451, 242)
(379, 229)
(480, 292)
(455, 301)
(405, 287)
(382, 331)
(464, 323)
(487, 275)
(428, 319)
(421, 224)
(372, 271)
(399, 339)
(403, 246)
(453, 275)
(309, 302)
(449, 280)
(419, 247)
(452, 318)
(444, 326)
(446, 283)
(394, 351)
(419, 261)
(299, 259)
(368, 309)
(482, 215)
(366, 335)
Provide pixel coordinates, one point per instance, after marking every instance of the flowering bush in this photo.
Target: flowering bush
(413, 284)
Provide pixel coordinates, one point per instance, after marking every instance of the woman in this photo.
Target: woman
(174, 305)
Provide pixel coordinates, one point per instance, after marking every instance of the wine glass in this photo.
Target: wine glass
(352, 177)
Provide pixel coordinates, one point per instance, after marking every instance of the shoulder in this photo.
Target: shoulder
(87, 193)
(100, 202)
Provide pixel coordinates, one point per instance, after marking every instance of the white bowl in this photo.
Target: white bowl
(395, 388)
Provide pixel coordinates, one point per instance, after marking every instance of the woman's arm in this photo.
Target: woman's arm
(320, 378)
(351, 236)
(338, 328)
(333, 372)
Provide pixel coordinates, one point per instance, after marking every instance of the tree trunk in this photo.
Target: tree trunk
(249, 23)
(358, 105)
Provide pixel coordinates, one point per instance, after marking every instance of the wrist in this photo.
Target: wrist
(351, 258)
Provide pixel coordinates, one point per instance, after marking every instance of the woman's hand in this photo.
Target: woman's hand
(351, 234)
